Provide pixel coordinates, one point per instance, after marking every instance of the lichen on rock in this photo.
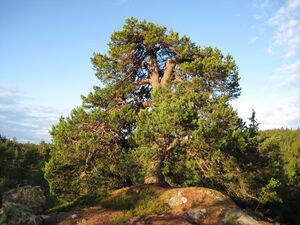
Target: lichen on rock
(22, 205)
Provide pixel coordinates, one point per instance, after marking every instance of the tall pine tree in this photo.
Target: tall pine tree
(165, 101)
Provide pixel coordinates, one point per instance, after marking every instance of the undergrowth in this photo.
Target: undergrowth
(140, 202)
(119, 219)
(136, 203)
(84, 201)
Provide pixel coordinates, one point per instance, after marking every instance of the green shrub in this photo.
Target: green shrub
(119, 219)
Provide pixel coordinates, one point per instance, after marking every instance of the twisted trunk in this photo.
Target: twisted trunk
(154, 173)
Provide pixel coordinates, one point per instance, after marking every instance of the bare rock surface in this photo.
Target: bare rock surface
(193, 205)
(22, 205)
(177, 200)
(206, 206)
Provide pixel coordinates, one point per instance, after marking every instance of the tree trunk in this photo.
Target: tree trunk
(170, 64)
(154, 172)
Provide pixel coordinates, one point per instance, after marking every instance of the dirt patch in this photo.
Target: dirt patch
(100, 216)
(160, 220)
(86, 216)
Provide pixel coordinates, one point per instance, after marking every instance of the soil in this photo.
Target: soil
(86, 216)
(100, 216)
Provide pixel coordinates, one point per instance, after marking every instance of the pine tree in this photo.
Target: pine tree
(164, 98)
(144, 56)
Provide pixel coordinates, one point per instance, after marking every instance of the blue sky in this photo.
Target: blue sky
(46, 45)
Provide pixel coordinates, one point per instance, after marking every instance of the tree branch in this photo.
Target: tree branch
(173, 144)
(170, 64)
(203, 165)
(146, 104)
(145, 81)
(155, 72)
(178, 78)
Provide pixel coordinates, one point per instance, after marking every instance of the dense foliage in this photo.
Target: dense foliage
(22, 164)
(164, 116)
(287, 153)
(284, 161)
(90, 151)
(193, 132)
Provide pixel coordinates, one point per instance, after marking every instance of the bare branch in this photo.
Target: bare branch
(173, 144)
(145, 81)
(146, 104)
(178, 78)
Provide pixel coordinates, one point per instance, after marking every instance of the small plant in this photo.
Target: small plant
(119, 219)
(149, 205)
(231, 220)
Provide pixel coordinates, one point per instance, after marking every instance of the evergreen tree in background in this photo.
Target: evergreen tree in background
(284, 162)
(163, 117)
(22, 164)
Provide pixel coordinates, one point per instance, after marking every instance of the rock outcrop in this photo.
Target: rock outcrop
(206, 206)
(22, 205)
(187, 206)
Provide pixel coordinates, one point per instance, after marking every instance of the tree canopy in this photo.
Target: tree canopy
(164, 117)
(143, 56)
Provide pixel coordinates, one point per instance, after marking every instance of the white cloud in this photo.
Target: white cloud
(290, 54)
(288, 75)
(286, 21)
(6, 95)
(278, 105)
(282, 112)
(29, 123)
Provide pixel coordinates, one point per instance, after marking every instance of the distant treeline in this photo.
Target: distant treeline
(285, 160)
(22, 164)
(288, 147)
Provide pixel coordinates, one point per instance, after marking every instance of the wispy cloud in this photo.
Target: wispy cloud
(263, 8)
(288, 75)
(284, 112)
(286, 21)
(27, 123)
(282, 109)
(281, 113)
(286, 42)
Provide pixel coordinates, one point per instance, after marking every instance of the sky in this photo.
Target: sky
(46, 46)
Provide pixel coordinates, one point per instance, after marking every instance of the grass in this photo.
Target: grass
(119, 219)
(137, 203)
(84, 201)
(232, 220)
